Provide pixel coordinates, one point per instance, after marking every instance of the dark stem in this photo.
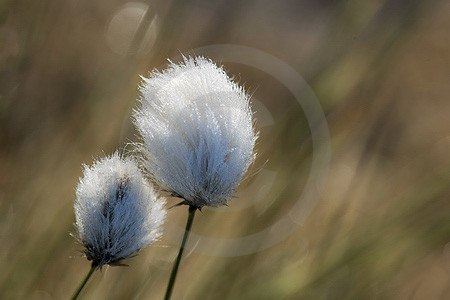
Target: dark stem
(140, 33)
(83, 283)
(173, 275)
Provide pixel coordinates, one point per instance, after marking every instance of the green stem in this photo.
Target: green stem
(173, 275)
(83, 283)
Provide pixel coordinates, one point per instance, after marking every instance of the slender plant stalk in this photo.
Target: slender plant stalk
(83, 283)
(173, 275)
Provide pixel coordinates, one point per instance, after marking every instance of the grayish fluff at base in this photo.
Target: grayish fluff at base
(117, 212)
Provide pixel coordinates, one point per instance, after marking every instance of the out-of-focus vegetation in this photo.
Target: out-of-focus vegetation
(381, 70)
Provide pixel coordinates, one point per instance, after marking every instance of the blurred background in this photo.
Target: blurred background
(380, 69)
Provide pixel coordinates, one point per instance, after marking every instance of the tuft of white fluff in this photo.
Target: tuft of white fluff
(197, 131)
(117, 212)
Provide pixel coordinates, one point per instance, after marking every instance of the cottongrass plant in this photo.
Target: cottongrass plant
(197, 135)
(117, 212)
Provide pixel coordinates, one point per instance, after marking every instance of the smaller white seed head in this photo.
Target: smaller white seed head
(117, 212)
(197, 131)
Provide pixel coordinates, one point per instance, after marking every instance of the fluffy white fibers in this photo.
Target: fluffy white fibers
(117, 212)
(197, 131)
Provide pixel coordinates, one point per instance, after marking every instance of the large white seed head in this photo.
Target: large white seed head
(117, 212)
(197, 131)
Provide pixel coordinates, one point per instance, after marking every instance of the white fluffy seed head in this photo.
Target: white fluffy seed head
(117, 212)
(197, 131)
